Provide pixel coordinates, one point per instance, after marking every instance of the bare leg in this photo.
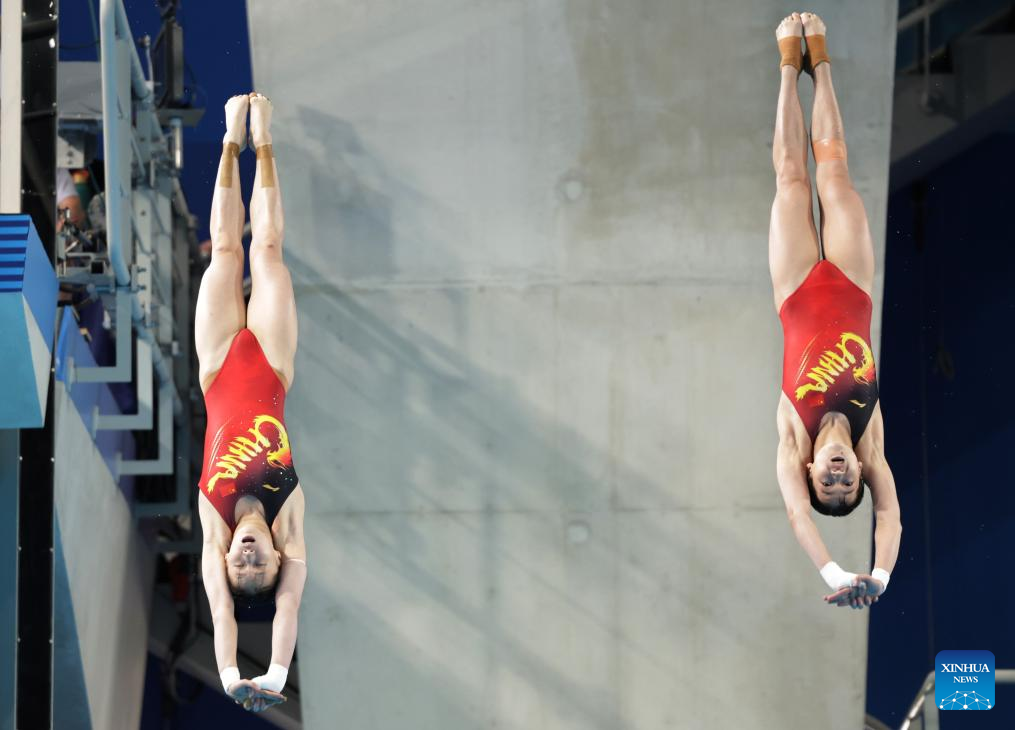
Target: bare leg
(220, 313)
(845, 232)
(271, 312)
(792, 239)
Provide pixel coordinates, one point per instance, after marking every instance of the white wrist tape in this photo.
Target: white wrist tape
(229, 676)
(274, 679)
(835, 576)
(881, 575)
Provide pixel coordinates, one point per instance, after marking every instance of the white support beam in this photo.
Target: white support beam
(10, 106)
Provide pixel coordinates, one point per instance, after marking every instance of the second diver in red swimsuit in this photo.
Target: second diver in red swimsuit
(831, 434)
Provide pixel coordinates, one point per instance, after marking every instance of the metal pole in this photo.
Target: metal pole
(36, 446)
(9, 479)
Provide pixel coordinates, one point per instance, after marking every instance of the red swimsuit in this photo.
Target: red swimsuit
(246, 445)
(828, 363)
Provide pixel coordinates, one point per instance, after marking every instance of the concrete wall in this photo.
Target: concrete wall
(535, 398)
(103, 585)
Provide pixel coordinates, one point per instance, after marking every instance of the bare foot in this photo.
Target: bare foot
(236, 120)
(813, 25)
(260, 119)
(790, 25)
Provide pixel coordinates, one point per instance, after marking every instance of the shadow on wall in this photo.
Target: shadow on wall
(423, 435)
(344, 183)
(406, 420)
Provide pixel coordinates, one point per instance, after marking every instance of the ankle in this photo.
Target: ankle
(817, 52)
(234, 136)
(790, 52)
(822, 72)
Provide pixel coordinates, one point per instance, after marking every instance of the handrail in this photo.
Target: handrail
(141, 89)
(916, 709)
(922, 13)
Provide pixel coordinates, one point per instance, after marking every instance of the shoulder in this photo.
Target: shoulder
(870, 449)
(294, 504)
(213, 526)
(288, 524)
(793, 436)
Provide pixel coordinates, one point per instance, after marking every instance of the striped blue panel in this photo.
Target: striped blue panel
(14, 234)
(40, 285)
(28, 291)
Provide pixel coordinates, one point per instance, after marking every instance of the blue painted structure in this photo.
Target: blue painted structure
(947, 345)
(91, 399)
(27, 317)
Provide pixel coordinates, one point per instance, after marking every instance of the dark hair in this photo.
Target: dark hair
(258, 606)
(840, 509)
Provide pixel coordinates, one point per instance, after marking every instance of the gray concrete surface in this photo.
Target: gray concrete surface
(534, 410)
(109, 574)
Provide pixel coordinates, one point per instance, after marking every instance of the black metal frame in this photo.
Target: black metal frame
(34, 691)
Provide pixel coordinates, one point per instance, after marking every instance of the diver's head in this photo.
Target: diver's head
(834, 480)
(252, 563)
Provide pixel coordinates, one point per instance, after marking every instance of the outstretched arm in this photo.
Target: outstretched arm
(289, 593)
(888, 521)
(287, 606)
(793, 485)
(220, 600)
(216, 584)
(792, 475)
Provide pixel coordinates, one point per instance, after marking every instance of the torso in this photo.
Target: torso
(791, 425)
(828, 362)
(247, 450)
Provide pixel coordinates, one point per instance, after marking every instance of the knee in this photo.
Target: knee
(265, 251)
(225, 245)
(794, 189)
(835, 187)
(266, 234)
(791, 177)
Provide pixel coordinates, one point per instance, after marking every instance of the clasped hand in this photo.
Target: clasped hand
(862, 592)
(253, 698)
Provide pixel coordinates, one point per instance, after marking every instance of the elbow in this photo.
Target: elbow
(798, 516)
(287, 604)
(891, 518)
(221, 615)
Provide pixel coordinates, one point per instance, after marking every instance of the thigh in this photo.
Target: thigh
(845, 231)
(793, 248)
(219, 313)
(271, 313)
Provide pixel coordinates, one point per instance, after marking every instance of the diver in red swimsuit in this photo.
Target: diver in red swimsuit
(831, 434)
(250, 502)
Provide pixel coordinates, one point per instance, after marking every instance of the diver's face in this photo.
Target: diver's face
(252, 562)
(835, 472)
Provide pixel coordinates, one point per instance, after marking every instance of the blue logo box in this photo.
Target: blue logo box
(964, 680)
